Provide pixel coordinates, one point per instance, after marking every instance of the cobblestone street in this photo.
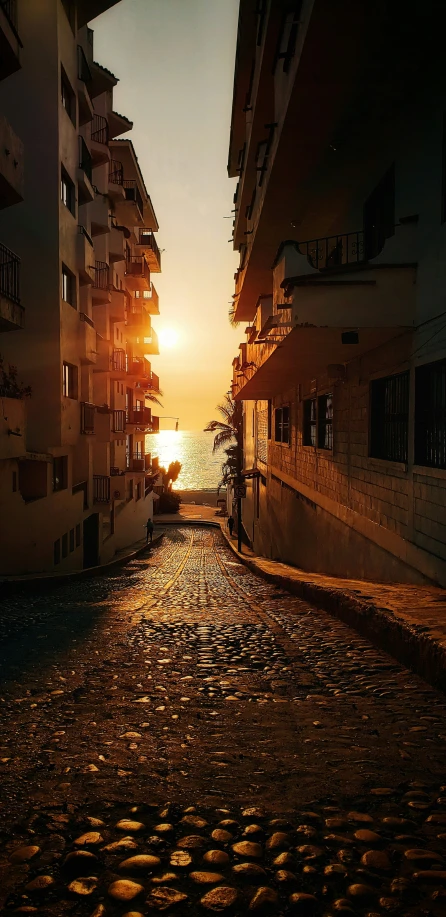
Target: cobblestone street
(180, 734)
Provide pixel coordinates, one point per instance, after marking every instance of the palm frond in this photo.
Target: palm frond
(232, 319)
(224, 436)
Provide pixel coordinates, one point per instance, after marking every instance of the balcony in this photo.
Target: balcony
(100, 152)
(117, 484)
(116, 181)
(151, 345)
(138, 322)
(135, 462)
(118, 305)
(87, 417)
(12, 428)
(99, 214)
(118, 366)
(142, 418)
(81, 488)
(129, 207)
(103, 356)
(116, 245)
(101, 488)
(85, 174)
(11, 166)
(101, 285)
(87, 347)
(154, 383)
(83, 87)
(147, 245)
(10, 44)
(84, 256)
(155, 425)
(151, 302)
(12, 314)
(118, 421)
(137, 274)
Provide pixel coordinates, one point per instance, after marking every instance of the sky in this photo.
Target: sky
(175, 63)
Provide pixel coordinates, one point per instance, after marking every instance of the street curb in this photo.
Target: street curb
(418, 651)
(33, 583)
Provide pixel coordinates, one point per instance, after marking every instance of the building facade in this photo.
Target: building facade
(339, 143)
(74, 484)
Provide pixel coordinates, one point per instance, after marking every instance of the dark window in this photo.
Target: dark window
(270, 414)
(69, 380)
(67, 192)
(60, 472)
(14, 482)
(288, 36)
(71, 540)
(379, 215)
(389, 413)
(138, 490)
(309, 422)
(65, 545)
(57, 551)
(130, 490)
(68, 286)
(78, 535)
(282, 425)
(325, 422)
(67, 96)
(430, 415)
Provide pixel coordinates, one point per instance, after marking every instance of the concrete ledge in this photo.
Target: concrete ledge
(418, 646)
(44, 580)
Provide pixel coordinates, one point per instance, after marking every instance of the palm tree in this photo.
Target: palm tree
(228, 430)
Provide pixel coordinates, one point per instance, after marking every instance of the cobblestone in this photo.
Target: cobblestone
(181, 734)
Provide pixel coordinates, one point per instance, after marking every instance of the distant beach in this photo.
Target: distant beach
(201, 469)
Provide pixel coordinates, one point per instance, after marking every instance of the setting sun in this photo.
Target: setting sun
(168, 337)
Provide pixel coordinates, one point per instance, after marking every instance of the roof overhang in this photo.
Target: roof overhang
(118, 124)
(89, 9)
(306, 353)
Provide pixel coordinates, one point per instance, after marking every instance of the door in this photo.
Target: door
(91, 540)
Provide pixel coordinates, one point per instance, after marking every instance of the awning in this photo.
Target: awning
(306, 353)
(252, 473)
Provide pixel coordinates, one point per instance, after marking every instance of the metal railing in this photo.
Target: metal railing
(9, 274)
(99, 129)
(101, 488)
(147, 238)
(83, 232)
(154, 298)
(142, 417)
(119, 419)
(132, 193)
(83, 70)
(135, 462)
(86, 318)
(138, 267)
(87, 417)
(334, 251)
(116, 172)
(119, 360)
(85, 160)
(154, 382)
(101, 275)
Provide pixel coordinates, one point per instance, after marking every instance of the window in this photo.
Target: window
(430, 415)
(78, 535)
(68, 286)
(56, 551)
(389, 412)
(65, 545)
(130, 490)
(60, 472)
(71, 540)
(67, 193)
(67, 96)
(137, 294)
(69, 380)
(282, 425)
(309, 422)
(138, 491)
(325, 422)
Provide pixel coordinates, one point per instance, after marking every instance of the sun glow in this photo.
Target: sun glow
(168, 337)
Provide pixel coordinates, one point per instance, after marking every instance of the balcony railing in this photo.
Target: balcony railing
(83, 70)
(83, 232)
(138, 267)
(101, 275)
(85, 160)
(116, 172)
(155, 425)
(99, 129)
(9, 274)
(87, 417)
(135, 462)
(334, 251)
(141, 418)
(132, 193)
(148, 239)
(154, 382)
(101, 488)
(118, 422)
(119, 360)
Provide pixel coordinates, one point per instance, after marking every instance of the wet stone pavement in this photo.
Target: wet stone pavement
(181, 737)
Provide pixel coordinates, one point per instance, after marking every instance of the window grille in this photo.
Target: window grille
(325, 422)
(389, 409)
(309, 430)
(430, 415)
(282, 425)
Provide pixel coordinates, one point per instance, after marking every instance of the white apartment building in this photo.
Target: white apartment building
(73, 462)
(339, 141)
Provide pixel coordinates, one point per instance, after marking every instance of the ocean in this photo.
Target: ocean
(201, 470)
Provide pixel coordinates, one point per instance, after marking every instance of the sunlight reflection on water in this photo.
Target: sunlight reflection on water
(201, 469)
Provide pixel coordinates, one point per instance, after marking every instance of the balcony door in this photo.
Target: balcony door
(128, 450)
(379, 215)
(128, 403)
